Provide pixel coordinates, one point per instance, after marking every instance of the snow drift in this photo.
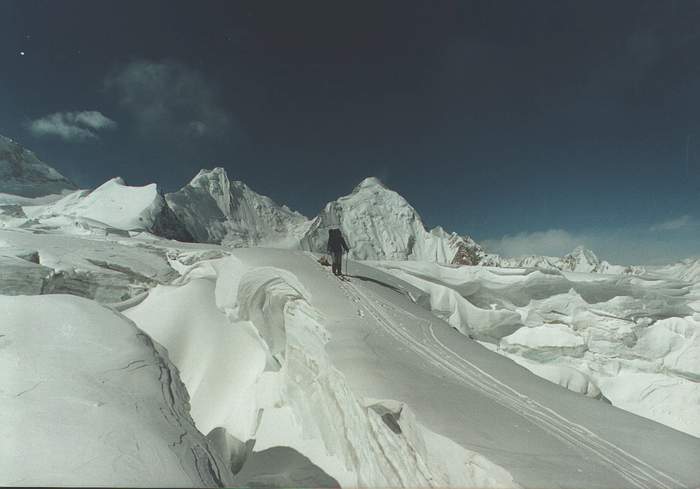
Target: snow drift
(111, 205)
(268, 381)
(88, 399)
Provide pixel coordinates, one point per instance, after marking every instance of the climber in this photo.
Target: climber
(336, 245)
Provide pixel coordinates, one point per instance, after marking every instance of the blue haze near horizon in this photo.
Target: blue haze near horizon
(531, 126)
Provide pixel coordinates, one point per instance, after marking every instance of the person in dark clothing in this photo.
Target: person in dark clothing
(336, 245)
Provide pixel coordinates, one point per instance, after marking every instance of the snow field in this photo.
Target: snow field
(88, 399)
(619, 349)
(297, 398)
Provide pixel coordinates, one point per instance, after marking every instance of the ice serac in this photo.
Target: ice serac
(105, 270)
(117, 205)
(267, 380)
(218, 210)
(22, 173)
(630, 340)
(379, 224)
(687, 270)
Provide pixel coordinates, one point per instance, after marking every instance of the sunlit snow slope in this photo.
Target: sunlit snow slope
(130, 359)
(112, 207)
(374, 390)
(632, 340)
(88, 399)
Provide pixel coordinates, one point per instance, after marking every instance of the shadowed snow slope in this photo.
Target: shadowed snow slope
(379, 224)
(22, 173)
(374, 390)
(89, 400)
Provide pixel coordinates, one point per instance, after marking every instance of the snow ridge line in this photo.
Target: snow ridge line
(634, 470)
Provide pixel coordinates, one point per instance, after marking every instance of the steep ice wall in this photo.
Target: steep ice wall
(87, 399)
(379, 224)
(218, 210)
(22, 173)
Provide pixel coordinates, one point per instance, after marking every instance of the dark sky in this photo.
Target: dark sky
(578, 121)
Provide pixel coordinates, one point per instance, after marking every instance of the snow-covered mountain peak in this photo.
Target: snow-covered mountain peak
(207, 177)
(218, 210)
(584, 253)
(372, 190)
(118, 181)
(369, 183)
(22, 173)
(581, 260)
(380, 224)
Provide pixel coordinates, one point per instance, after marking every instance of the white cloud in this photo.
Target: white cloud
(72, 126)
(683, 222)
(554, 242)
(169, 98)
(95, 120)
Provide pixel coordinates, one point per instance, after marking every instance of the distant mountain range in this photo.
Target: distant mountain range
(378, 223)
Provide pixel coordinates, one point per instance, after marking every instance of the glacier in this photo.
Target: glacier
(195, 339)
(632, 340)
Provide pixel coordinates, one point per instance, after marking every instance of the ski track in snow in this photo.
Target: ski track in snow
(639, 473)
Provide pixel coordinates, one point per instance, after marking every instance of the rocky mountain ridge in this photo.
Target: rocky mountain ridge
(22, 173)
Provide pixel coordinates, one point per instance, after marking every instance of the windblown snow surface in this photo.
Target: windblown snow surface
(296, 378)
(89, 399)
(112, 207)
(633, 341)
(363, 381)
(127, 359)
